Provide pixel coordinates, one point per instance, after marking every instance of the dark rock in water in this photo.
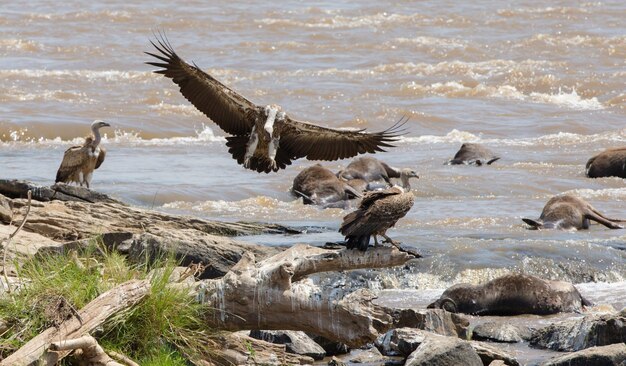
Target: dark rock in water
(331, 347)
(371, 355)
(501, 332)
(473, 154)
(613, 355)
(444, 351)
(577, 334)
(297, 342)
(13, 188)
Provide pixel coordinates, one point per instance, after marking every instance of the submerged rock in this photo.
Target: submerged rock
(612, 355)
(577, 334)
(297, 342)
(497, 331)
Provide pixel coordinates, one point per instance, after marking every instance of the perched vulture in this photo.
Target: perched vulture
(264, 138)
(80, 161)
(379, 211)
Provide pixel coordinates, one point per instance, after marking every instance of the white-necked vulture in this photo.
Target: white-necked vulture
(264, 138)
(80, 161)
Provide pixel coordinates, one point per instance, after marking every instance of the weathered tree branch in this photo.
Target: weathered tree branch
(8, 241)
(273, 294)
(89, 317)
(92, 353)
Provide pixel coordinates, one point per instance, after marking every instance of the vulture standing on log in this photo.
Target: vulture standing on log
(264, 138)
(378, 211)
(80, 161)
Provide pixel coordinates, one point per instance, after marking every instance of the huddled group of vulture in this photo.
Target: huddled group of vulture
(266, 139)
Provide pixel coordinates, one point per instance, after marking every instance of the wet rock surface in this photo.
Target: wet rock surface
(577, 334)
(296, 342)
(496, 331)
(612, 355)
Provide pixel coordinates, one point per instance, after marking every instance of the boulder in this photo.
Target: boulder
(612, 355)
(437, 321)
(6, 212)
(297, 342)
(405, 341)
(444, 351)
(489, 353)
(331, 347)
(577, 334)
(369, 356)
(497, 331)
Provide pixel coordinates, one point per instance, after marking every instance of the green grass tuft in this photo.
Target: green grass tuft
(159, 330)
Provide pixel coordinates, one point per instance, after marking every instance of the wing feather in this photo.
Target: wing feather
(73, 159)
(232, 112)
(315, 142)
(101, 156)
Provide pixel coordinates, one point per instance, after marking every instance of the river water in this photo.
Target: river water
(540, 83)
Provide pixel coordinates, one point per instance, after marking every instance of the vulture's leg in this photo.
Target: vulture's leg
(390, 241)
(272, 149)
(250, 147)
(375, 241)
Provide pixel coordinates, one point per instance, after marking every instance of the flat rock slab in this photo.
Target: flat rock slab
(577, 334)
(13, 188)
(297, 342)
(612, 355)
(444, 351)
(497, 331)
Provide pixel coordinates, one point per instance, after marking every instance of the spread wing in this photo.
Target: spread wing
(101, 156)
(73, 159)
(302, 139)
(230, 110)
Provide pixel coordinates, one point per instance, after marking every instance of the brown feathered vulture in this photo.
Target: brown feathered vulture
(264, 137)
(378, 211)
(80, 161)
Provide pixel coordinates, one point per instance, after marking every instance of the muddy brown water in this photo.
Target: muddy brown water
(541, 84)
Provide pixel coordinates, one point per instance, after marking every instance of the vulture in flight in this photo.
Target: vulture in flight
(264, 137)
(378, 211)
(80, 161)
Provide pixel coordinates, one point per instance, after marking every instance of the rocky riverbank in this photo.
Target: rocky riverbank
(72, 217)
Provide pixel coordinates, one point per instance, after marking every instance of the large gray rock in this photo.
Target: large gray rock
(437, 321)
(577, 334)
(444, 351)
(612, 355)
(489, 353)
(6, 213)
(497, 331)
(369, 356)
(405, 341)
(296, 342)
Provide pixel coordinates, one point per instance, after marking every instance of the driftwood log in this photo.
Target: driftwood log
(87, 319)
(275, 294)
